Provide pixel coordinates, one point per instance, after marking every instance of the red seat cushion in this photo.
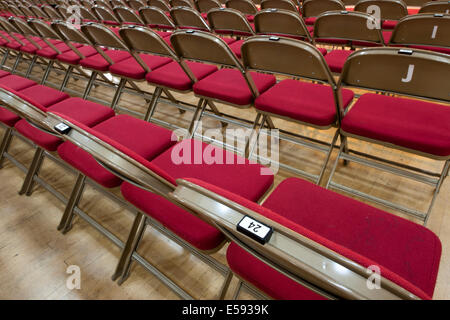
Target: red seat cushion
(86, 112)
(71, 57)
(310, 20)
(4, 73)
(229, 85)
(389, 24)
(265, 278)
(7, 117)
(172, 75)
(13, 45)
(303, 101)
(192, 229)
(386, 36)
(97, 62)
(146, 139)
(16, 82)
(31, 48)
(43, 95)
(50, 53)
(188, 159)
(236, 47)
(130, 68)
(403, 247)
(406, 253)
(336, 59)
(417, 125)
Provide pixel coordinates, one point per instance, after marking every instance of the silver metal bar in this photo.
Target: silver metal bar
(391, 169)
(386, 203)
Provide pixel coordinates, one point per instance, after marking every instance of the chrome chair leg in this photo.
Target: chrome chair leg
(30, 67)
(34, 168)
(47, 72)
(135, 236)
(118, 93)
(226, 285)
(197, 117)
(153, 103)
(6, 142)
(69, 213)
(88, 89)
(66, 78)
(322, 171)
(238, 290)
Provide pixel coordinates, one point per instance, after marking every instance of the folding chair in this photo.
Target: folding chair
(423, 31)
(390, 11)
(136, 4)
(295, 255)
(52, 13)
(415, 126)
(105, 16)
(203, 6)
(182, 3)
(39, 13)
(318, 105)
(230, 22)
(312, 8)
(279, 4)
(435, 7)
(231, 85)
(175, 76)
(147, 187)
(348, 27)
(127, 16)
(247, 7)
(161, 4)
(279, 22)
(188, 18)
(156, 18)
(415, 3)
(38, 47)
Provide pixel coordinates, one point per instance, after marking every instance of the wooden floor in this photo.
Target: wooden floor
(34, 256)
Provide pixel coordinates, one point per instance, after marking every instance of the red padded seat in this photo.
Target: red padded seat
(413, 124)
(173, 76)
(407, 253)
(258, 273)
(97, 62)
(4, 73)
(71, 57)
(336, 59)
(44, 95)
(230, 86)
(8, 118)
(236, 47)
(303, 101)
(130, 68)
(31, 48)
(49, 53)
(239, 176)
(86, 112)
(146, 139)
(16, 83)
(389, 24)
(310, 21)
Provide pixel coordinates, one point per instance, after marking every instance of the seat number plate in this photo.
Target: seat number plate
(255, 229)
(62, 128)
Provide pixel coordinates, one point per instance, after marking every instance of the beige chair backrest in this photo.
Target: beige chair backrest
(432, 29)
(229, 20)
(281, 22)
(313, 8)
(436, 7)
(417, 73)
(389, 9)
